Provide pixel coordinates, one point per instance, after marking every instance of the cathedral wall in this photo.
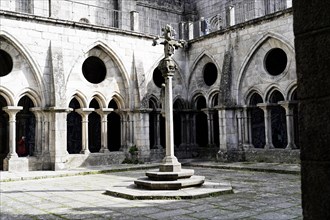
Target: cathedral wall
(75, 43)
(244, 43)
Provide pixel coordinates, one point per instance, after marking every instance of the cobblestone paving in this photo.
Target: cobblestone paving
(258, 195)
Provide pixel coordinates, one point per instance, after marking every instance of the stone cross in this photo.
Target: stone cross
(167, 67)
(170, 44)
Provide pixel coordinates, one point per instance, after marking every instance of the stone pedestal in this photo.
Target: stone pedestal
(16, 164)
(170, 175)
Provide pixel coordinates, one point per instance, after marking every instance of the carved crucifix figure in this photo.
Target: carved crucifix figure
(170, 44)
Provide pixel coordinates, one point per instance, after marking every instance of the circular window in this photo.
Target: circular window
(6, 63)
(210, 74)
(94, 70)
(158, 78)
(276, 61)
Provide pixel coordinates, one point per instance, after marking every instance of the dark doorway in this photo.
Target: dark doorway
(278, 121)
(201, 123)
(156, 126)
(94, 128)
(177, 108)
(74, 129)
(25, 125)
(257, 122)
(114, 128)
(215, 102)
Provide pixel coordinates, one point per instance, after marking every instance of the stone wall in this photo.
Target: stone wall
(49, 54)
(312, 43)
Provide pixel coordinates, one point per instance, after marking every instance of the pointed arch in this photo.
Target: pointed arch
(35, 68)
(197, 94)
(33, 95)
(292, 89)
(119, 101)
(111, 53)
(180, 102)
(201, 57)
(7, 95)
(254, 48)
(152, 99)
(213, 98)
(115, 57)
(100, 99)
(81, 98)
(269, 92)
(201, 61)
(149, 73)
(250, 93)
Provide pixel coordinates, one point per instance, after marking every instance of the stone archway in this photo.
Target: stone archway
(201, 123)
(114, 128)
(74, 129)
(94, 128)
(257, 123)
(26, 125)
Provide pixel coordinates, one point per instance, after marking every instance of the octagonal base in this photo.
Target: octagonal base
(208, 189)
(163, 176)
(147, 183)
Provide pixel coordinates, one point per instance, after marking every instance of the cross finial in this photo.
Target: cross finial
(170, 44)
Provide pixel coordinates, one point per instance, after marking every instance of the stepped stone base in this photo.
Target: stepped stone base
(169, 185)
(157, 176)
(208, 189)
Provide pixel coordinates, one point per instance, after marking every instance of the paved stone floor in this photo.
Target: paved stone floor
(258, 195)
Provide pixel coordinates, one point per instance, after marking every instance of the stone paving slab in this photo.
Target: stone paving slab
(252, 166)
(257, 195)
(6, 176)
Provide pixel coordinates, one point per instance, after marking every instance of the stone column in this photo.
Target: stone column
(240, 127)
(268, 124)
(247, 128)
(157, 131)
(38, 112)
(12, 111)
(186, 129)
(170, 162)
(288, 106)
(209, 113)
(131, 127)
(193, 129)
(123, 129)
(84, 112)
(11, 162)
(103, 112)
(46, 159)
(58, 137)
(183, 129)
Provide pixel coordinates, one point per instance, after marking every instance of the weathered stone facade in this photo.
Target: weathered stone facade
(88, 88)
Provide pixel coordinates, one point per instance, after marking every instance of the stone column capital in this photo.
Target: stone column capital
(266, 106)
(58, 110)
(84, 111)
(12, 110)
(288, 104)
(104, 111)
(208, 110)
